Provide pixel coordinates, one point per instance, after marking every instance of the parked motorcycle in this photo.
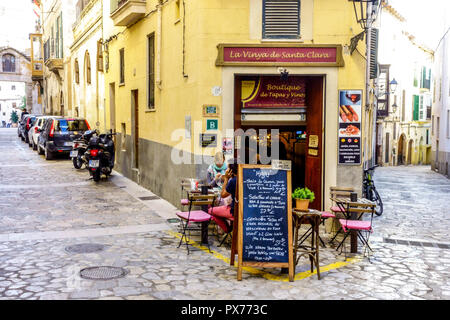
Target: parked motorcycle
(100, 155)
(79, 148)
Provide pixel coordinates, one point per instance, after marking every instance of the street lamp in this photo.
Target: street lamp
(363, 16)
(393, 85)
(394, 108)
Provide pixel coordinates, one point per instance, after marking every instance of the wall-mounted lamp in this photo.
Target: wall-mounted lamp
(364, 13)
(393, 86)
(284, 74)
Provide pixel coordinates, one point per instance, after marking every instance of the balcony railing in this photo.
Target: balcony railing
(127, 12)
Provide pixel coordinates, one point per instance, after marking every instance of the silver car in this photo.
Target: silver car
(34, 132)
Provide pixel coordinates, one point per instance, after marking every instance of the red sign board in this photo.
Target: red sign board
(285, 55)
(273, 92)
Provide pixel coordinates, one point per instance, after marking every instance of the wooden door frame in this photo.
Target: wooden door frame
(320, 78)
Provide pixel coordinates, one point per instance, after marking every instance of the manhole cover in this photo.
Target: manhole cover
(103, 273)
(173, 220)
(85, 248)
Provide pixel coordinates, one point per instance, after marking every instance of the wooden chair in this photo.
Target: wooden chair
(195, 216)
(363, 228)
(335, 210)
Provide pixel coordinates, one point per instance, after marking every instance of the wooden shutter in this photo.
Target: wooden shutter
(281, 19)
(373, 50)
(416, 108)
(151, 71)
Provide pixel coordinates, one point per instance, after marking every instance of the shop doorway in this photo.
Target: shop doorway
(401, 150)
(410, 151)
(300, 127)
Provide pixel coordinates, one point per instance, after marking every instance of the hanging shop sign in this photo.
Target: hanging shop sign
(272, 92)
(350, 127)
(283, 54)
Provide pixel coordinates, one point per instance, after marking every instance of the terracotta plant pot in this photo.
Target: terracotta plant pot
(301, 204)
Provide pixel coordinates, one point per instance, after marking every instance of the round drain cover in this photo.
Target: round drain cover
(85, 248)
(103, 273)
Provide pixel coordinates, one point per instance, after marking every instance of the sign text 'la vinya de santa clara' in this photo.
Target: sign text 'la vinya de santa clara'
(313, 55)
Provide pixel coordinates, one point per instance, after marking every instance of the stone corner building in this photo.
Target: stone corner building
(174, 67)
(15, 73)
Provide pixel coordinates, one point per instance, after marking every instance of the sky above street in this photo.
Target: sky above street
(17, 20)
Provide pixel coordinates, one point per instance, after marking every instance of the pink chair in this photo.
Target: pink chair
(195, 216)
(335, 210)
(363, 228)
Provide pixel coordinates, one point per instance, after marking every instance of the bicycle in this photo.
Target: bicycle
(370, 192)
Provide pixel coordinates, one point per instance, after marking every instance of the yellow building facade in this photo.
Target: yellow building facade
(173, 67)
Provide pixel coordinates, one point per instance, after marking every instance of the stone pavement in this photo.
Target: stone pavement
(48, 206)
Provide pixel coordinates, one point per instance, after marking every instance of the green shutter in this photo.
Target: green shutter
(416, 108)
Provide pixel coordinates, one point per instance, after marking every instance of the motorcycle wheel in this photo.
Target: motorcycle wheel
(96, 175)
(77, 162)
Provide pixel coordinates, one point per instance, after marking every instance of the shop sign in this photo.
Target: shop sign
(208, 140)
(210, 110)
(286, 55)
(272, 92)
(212, 124)
(350, 127)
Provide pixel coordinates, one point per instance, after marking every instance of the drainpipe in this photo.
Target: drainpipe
(158, 45)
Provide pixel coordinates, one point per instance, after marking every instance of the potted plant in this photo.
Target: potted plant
(303, 196)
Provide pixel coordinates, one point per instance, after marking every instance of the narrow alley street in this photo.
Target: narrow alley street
(55, 222)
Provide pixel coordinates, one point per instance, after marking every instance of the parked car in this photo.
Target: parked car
(22, 115)
(58, 133)
(34, 132)
(25, 125)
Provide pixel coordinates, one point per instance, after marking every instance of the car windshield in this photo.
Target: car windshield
(71, 125)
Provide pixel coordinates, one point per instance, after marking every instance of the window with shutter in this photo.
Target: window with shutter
(151, 71)
(122, 66)
(373, 67)
(416, 108)
(281, 19)
(99, 56)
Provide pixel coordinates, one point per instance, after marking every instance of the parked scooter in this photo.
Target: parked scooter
(100, 155)
(79, 149)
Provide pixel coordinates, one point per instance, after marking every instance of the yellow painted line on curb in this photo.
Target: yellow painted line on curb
(266, 275)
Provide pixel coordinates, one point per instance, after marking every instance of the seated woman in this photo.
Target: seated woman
(216, 171)
(223, 215)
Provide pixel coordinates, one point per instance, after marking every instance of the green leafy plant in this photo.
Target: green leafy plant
(303, 193)
(14, 117)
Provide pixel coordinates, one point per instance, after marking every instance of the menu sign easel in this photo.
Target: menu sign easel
(265, 218)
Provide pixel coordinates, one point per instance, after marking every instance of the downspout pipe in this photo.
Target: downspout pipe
(158, 44)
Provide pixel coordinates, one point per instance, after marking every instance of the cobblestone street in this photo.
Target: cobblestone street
(48, 206)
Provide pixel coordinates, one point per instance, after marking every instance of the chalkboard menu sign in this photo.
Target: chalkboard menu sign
(265, 218)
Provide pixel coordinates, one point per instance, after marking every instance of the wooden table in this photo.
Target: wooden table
(312, 217)
(351, 209)
(204, 208)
